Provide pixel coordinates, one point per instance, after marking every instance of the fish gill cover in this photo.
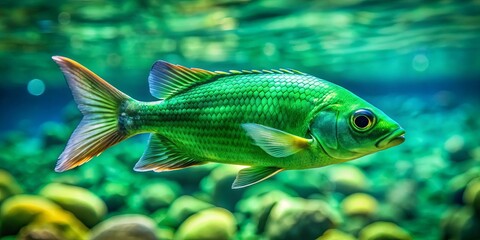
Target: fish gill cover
(417, 61)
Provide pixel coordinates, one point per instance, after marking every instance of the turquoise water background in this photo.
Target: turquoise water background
(418, 61)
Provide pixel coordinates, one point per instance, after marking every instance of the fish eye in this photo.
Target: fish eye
(362, 120)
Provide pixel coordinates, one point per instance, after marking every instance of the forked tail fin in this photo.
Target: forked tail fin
(99, 103)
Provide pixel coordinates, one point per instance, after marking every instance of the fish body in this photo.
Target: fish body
(206, 122)
(270, 120)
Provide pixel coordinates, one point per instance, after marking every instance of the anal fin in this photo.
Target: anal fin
(251, 175)
(162, 155)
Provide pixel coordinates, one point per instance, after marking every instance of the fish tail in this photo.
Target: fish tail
(99, 103)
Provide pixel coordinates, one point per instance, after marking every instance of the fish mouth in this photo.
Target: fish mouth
(394, 138)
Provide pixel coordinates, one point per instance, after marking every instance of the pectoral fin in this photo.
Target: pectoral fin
(251, 175)
(275, 142)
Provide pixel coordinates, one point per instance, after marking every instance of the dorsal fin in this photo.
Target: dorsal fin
(264, 71)
(168, 79)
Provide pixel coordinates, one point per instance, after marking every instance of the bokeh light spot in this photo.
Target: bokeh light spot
(269, 49)
(64, 18)
(420, 62)
(36, 87)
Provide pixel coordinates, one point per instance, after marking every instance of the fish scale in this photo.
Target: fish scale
(269, 120)
(208, 117)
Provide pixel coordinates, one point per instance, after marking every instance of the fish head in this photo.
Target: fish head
(354, 128)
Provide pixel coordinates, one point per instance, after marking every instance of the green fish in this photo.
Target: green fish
(268, 120)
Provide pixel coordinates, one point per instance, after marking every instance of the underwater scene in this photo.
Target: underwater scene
(240, 130)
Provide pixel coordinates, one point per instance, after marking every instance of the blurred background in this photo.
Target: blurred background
(418, 61)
